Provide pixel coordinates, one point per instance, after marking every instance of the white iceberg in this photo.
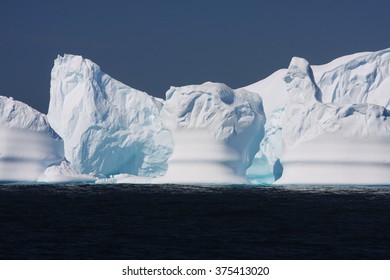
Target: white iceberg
(216, 133)
(28, 145)
(352, 79)
(327, 143)
(108, 128)
(356, 78)
(326, 124)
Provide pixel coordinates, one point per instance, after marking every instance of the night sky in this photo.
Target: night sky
(151, 45)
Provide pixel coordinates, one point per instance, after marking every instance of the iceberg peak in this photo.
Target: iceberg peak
(300, 82)
(108, 127)
(329, 143)
(18, 115)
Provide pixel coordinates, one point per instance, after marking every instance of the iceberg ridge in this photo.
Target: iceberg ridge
(108, 127)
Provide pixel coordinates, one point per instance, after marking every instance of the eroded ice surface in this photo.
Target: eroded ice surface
(28, 145)
(328, 143)
(352, 79)
(108, 128)
(216, 132)
(326, 124)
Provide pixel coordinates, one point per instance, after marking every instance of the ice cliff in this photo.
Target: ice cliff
(326, 124)
(108, 128)
(353, 79)
(28, 145)
(216, 132)
(328, 143)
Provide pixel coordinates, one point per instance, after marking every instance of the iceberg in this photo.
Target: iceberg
(328, 143)
(216, 132)
(352, 79)
(356, 78)
(108, 128)
(325, 124)
(28, 145)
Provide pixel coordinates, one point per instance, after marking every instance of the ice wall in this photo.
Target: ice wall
(351, 79)
(108, 128)
(28, 145)
(327, 143)
(216, 132)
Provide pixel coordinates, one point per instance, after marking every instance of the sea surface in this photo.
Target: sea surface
(193, 222)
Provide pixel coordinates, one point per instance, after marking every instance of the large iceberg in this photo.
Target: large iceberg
(356, 78)
(326, 124)
(328, 143)
(28, 145)
(108, 128)
(216, 132)
(352, 79)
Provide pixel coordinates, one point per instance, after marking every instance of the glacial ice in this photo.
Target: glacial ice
(328, 143)
(108, 128)
(326, 124)
(28, 145)
(352, 79)
(356, 78)
(216, 132)
(363, 79)
(64, 173)
(124, 178)
(266, 167)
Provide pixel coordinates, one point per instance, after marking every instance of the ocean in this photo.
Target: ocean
(193, 222)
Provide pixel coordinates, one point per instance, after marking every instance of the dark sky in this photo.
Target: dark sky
(150, 45)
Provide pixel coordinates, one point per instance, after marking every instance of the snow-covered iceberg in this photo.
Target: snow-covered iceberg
(326, 124)
(216, 133)
(30, 150)
(108, 128)
(352, 79)
(328, 143)
(356, 78)
(28, 145)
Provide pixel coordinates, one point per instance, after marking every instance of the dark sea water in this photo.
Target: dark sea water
(187, 222)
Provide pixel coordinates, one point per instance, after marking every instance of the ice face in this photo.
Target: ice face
(216, 132)
(363, 79)
(108, 128)
(266, 167)
(17, 115)
(199, 158)
(326, 124)
(28, 145)
(358, 78)
(331, 143)
(305, 121)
